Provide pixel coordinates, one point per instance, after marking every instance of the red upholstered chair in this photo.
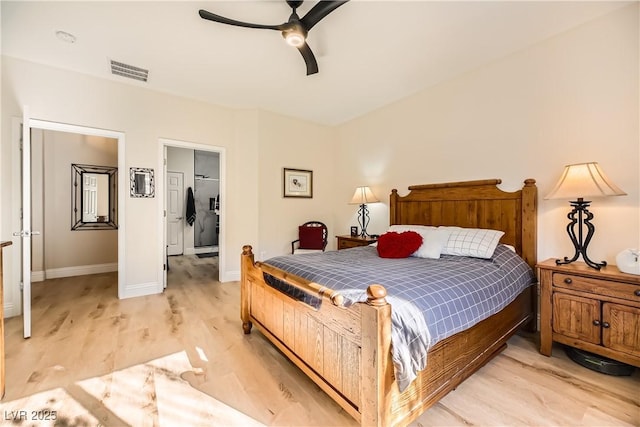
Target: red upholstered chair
(312, 237)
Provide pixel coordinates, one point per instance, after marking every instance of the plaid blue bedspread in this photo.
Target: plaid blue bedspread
(452, 293)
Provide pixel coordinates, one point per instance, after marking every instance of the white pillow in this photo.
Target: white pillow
(511, 248)
(433, 239)
(472, 242)
(432, 243)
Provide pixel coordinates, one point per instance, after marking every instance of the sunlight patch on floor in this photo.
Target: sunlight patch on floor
(203, 356)
(147, 394)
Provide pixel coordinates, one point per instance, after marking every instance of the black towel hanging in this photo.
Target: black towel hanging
(191, 207)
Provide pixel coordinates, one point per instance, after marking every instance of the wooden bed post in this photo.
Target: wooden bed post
(245, 292)
(377, 366)
(529, 222)
(393, 207)
(529, 243)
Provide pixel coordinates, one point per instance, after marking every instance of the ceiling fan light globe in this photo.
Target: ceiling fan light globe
(294, 39)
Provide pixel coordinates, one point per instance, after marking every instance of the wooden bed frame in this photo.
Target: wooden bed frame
(346, 351)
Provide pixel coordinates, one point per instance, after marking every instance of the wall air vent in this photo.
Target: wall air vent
(129, 71)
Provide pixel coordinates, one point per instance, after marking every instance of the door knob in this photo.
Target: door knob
(26, 233)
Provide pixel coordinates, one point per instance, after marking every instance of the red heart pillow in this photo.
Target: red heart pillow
(398, 245)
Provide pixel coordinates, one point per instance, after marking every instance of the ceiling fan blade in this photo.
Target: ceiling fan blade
(221, 19)
(309, 59)
(319, 11)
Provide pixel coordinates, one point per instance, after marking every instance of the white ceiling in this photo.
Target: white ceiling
(370, 53)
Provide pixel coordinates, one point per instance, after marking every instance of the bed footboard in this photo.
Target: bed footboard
(344, 350)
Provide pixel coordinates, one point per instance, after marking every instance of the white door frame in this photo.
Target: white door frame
(162, 206)
(123, 179)
(25, 232)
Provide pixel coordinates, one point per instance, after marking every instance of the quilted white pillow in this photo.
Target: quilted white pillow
(433, 239)
(472, 242)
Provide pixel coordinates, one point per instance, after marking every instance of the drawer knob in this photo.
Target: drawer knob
(637, 293)
(568, 280)
(596, 323)
(605, 324)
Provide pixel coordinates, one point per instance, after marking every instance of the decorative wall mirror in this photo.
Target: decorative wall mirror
(94, 197)
(142, 183)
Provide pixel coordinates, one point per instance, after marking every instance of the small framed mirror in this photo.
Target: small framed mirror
(94, 197)
(142, 183)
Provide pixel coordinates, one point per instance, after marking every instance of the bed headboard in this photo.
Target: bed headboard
(475, 204)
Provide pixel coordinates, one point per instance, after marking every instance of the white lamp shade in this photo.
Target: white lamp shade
(363, 195)
(584, 180)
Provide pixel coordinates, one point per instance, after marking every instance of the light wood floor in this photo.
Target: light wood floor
(181, 359)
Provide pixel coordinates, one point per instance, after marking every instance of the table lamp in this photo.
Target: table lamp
(580, 181)
(362, 196)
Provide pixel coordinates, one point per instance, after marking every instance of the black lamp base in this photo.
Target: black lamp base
(596, 265)
(580, 217)
(363, 220)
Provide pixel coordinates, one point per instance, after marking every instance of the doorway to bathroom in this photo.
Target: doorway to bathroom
(193, 207)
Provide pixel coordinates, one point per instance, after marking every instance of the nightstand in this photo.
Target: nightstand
(597, 311)
(346, 242)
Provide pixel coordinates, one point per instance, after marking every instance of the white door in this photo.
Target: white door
(89, 197)
(175, 206)
(26, 232)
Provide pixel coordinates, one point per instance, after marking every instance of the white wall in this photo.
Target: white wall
(571, 99)
(290, 143)
(82, 248)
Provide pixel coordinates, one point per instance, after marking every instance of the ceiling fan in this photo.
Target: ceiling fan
(294, 31)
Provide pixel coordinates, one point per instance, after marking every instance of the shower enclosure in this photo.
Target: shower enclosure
(207, 199)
